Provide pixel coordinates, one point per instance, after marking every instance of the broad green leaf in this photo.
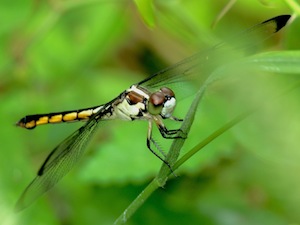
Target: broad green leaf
(277, 62)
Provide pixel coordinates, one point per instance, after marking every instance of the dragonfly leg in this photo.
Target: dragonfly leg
(170, 134)
(175, 118)
(158, 147)
(149, 140)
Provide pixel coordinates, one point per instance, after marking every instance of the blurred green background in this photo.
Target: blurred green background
(62, 55)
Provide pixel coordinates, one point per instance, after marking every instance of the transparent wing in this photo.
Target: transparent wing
(59, 162)
(200, 65)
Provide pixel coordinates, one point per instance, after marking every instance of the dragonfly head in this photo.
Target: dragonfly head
(162, 102)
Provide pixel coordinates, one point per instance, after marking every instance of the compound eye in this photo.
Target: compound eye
(167, 92)
(156, 102)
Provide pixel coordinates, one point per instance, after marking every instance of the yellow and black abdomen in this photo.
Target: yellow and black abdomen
(31, 121)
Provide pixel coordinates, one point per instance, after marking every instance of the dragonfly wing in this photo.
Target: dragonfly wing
(59, 162)
(199, 66)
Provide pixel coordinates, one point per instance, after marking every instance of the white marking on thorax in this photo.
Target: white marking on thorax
(125, 111)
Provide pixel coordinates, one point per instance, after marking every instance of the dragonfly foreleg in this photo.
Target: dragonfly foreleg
(170, 134)
(175, 118)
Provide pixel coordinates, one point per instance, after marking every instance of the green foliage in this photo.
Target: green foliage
(146, 10)
(62, 55)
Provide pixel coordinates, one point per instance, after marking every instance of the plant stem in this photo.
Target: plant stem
(137, 203)
(160, 180)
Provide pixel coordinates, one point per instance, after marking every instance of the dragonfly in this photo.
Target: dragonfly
(152, 100)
